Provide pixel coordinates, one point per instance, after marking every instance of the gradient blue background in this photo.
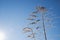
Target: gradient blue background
(13, 14)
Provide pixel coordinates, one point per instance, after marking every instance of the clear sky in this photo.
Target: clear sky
(13, 14)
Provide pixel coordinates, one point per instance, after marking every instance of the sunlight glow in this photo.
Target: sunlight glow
(2, 36)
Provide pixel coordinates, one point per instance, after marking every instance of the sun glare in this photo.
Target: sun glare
(2, 36)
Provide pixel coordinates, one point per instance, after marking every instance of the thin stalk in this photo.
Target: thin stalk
(33, 35)
(44, 27)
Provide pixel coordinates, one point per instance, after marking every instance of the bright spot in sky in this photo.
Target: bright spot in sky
(2, 36)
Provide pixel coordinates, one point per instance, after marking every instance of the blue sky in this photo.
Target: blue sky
(13, 14)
